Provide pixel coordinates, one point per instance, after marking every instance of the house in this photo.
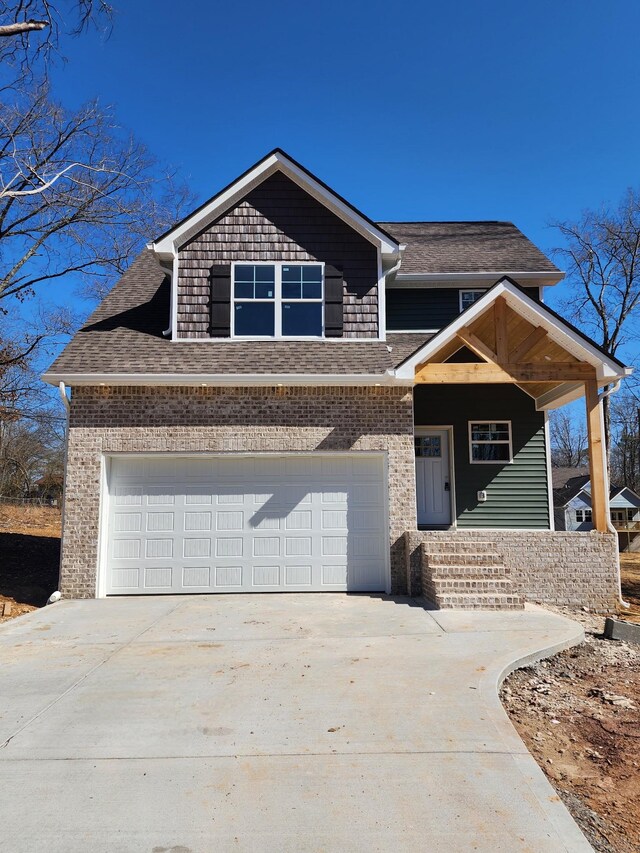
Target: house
(572, 500)
(282, 394)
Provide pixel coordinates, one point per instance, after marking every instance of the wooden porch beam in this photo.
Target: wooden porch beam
(473, 342)
(524, 348)
(597, 457)
(485, 373)
(502, 336)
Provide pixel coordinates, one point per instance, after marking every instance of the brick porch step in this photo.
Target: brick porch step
(448, 586)
(470, 569)
(480, 601)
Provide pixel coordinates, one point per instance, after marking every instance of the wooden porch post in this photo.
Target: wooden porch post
(597, 458)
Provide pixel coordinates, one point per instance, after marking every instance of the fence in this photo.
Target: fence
(42, 501)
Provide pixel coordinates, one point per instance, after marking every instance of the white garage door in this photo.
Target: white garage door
(246, 523)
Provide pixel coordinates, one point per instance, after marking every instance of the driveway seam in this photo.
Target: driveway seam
(86, 675)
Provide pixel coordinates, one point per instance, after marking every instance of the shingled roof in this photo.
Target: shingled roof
(455, 247)
(124, 335)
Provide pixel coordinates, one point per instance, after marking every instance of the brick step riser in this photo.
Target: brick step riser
(460, 548)
(473, 602)
(475, 571)
(464, 560)
(473, 587)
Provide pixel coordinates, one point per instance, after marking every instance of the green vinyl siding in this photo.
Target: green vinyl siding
(517, 492)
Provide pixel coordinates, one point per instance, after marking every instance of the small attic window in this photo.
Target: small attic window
(278, 300)
(468, 297)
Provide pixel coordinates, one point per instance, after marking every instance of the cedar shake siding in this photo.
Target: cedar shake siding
(278, 221)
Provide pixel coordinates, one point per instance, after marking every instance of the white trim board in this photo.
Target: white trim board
(225, 379)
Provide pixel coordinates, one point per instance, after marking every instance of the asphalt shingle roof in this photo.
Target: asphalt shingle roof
(124, 335)
(452, 247)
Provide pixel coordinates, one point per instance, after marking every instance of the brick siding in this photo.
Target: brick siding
(544, 566)
(227, 420)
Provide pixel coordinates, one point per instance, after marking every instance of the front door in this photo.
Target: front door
(432, 477)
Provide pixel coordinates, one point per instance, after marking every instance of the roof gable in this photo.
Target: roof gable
(608, 368)
(276, 161)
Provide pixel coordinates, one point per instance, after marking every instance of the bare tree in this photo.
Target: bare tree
(76, 197)
(602, 256)
(568, 439)
(30, 30)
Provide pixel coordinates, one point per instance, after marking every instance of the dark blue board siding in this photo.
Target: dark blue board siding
(518, 494)
(413, 308)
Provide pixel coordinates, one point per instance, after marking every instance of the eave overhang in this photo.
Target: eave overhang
(226, 379)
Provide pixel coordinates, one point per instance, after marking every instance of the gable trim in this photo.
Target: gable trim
(608, 367)
(276, 161)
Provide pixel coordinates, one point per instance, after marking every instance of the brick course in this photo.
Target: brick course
(544, 566)
(107, 420)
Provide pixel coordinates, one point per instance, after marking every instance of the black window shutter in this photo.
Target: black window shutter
(333, 295)
(220, 278)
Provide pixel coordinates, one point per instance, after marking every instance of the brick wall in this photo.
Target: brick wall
(278, 221)
(226, 420)
(545, 566)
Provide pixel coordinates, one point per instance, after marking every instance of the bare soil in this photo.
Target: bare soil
(579, 715)
(29, 557)
(630, 574)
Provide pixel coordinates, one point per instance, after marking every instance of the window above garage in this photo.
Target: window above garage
(278, 300)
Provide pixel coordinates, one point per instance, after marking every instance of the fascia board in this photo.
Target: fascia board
(276, 162)
(229, 379)
(545, 277)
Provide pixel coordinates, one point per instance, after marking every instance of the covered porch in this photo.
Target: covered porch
(497, 369)
(482, 388)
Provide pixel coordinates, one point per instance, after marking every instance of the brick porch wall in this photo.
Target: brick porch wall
(545, 566)
(227, 420)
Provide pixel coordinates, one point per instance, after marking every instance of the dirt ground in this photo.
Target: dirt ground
(29, 556)
(578, 713)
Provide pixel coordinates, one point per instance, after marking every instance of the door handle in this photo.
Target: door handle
(446, 487)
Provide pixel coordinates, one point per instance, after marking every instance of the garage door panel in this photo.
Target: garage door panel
(241, 523)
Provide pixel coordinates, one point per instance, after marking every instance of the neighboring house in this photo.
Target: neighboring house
(281, 394)
(574, 511)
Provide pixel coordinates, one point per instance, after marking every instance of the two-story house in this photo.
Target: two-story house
(281, 394)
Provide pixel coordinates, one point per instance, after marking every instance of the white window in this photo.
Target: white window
(277, 300)
(468, 297)
(583, 515)
(490, 442)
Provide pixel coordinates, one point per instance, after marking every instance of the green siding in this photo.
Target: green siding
(518, 495)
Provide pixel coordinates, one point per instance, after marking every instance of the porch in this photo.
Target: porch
(483, 387)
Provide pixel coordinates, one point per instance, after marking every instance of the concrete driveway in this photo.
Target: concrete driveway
(270, 723)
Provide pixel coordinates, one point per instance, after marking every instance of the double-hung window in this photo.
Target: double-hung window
(490, 441)
(278, 300)
(583, 515)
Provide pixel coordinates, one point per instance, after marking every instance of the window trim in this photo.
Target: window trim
(509, 442)
(481, 290)
(277, 300)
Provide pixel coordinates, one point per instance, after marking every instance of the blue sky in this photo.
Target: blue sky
(415, 110)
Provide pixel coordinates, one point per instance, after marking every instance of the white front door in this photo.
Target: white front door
(433, 488)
